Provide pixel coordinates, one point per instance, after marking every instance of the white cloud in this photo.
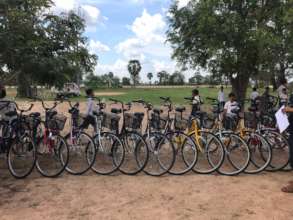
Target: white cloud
(119, 68)
(182, 3)
(98, 47)
(149, 27)
(92, 15)
(148, 38)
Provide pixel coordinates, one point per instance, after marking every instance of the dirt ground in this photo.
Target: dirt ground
(142, 197)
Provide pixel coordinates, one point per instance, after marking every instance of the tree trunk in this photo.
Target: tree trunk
(239, 86)
(23, 86)
(274, 82)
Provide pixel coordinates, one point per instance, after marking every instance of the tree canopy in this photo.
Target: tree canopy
(38, 47)
(236, 39)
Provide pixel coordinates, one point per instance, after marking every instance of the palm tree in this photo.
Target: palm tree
(134, 69)
(150, 76)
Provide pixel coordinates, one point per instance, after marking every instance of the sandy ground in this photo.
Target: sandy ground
(142, 197)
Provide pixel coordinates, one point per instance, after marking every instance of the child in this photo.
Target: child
(90, 118)
(254, 95)
(221, 97)
(231, 105)
(196, 102)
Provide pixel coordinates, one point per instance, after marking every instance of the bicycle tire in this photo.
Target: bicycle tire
(112, 155)
(79, 166)
(186, 153)
(136, 154)
(211, 156)
(155, 166)
(229, 168)
(25, 144)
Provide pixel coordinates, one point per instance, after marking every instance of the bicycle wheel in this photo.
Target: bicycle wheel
(161, 154)
(21, 157)
(237, 154)
(280, 149)
(82, 153)
(185, 153)
(52, 155)
(109, 153)
(136, 153)
(211, 152)
(260, 153)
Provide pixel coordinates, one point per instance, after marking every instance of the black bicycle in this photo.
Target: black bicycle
(136, 150)
(16, 142)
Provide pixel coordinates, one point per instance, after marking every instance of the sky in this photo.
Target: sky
(121, 30)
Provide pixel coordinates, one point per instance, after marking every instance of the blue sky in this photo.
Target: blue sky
(120, 30)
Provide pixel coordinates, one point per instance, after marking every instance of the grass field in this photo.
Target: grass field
(148, 94)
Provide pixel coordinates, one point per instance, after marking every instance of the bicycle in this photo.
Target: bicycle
(52, 149)
(210, 149)
(249, 128)
(161, 149)
(136, 150)
(16, 142)
(110, 150)
(82, 149)
(186, 151)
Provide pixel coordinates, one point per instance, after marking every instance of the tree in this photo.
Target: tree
(134, 69)
(226, 38)
(42, 48)
(163, 77)
(177, 78)
(126, 81)
(150, 76)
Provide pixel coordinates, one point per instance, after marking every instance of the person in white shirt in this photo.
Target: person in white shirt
(254, 95)
(282, 87)
(231, 105)
(90, 118)
(221, 97)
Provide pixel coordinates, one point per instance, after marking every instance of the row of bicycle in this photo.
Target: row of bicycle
(168, 141)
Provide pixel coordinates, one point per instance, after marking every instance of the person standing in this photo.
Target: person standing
(221, 97)
(289, 187)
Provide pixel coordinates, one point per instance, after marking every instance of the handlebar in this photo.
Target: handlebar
(17, 106)
(44, 106)
(188, 98)
(165, 99)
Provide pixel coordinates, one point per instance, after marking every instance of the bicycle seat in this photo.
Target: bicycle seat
(11, 114)
(35, 114)
(180, 109)
(116, 110)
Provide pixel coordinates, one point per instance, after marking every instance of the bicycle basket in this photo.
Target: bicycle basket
(133, 120)
(31, 122)
(230, 123)
(57, 122)
(110, 121)
(250, 120)
(157, 121)
(209, 121)
(180, 122)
